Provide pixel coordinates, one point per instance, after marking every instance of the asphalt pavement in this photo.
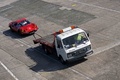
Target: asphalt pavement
(21, 59)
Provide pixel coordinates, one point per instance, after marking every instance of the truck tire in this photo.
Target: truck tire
(45, 50)
(62, 60)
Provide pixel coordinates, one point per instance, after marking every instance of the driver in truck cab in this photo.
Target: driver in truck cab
(79, 38)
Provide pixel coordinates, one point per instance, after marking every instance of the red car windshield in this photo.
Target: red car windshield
(25, 22)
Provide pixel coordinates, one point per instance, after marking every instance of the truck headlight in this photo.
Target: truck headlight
(69, 55)
(88, 48)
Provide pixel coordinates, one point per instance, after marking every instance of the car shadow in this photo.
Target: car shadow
(47, 63)
(13, 35)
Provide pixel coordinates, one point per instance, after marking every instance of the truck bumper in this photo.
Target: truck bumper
(80, 56)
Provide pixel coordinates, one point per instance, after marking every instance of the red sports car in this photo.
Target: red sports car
(23, 26)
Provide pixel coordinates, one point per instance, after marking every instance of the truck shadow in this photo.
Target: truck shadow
(47, 63)
(13, 35)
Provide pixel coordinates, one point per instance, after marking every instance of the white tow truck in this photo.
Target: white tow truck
(68, 44)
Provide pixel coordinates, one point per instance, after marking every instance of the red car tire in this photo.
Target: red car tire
(11, 29)
(20, 32)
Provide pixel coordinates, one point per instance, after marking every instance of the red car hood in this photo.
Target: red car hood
(30, 27)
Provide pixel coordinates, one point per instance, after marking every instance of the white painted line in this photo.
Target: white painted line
(23, 42)
(6, 9)
(80, 74)
(105, 48)
(63, 8)
(9, 71)
(95, 6)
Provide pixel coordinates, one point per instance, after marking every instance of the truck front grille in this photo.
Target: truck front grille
(79, 52)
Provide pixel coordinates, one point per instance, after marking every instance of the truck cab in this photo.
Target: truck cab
(72, 43)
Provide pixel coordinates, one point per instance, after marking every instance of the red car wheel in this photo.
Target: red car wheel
(20, 32)
(11, 29)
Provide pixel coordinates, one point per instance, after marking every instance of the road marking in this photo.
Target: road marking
(95, 6)
(23, 42)
(105, 48)
(63, 8)
(88, 78)
(6, 9)
(73, 5)
(9, 71)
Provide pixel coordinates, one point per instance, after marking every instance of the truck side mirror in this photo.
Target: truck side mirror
(88, 34)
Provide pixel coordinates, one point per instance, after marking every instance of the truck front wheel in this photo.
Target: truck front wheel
(62, 60)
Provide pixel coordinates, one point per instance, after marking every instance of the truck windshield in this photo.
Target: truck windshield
(75, 40)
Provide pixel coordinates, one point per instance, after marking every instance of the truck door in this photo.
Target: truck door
(59, 48)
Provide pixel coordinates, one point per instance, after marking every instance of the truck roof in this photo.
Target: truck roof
(70, 33)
